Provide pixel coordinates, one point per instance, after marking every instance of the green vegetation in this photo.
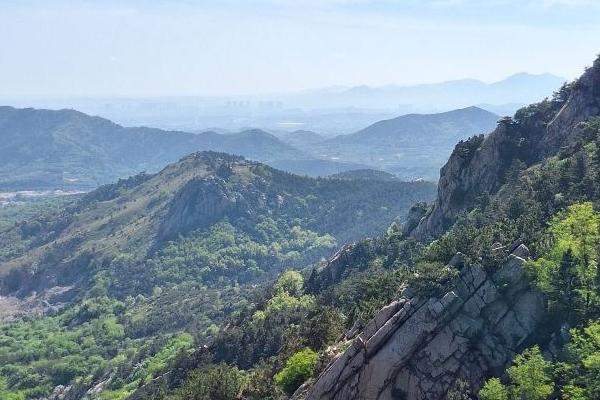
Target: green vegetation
(32, 208)
(38, 354)
(298, 368)
(575, 375)
(21, 222)
(223, 253)
(550, 204)
(493, 389)
(157, 275)
(219, 382)
(568, 271)
(205, 281)
(530, 377)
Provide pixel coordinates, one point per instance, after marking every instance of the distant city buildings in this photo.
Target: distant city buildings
(263, 105)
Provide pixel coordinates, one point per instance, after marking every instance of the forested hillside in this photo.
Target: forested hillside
(104, 293)
(48, 149)
(67, 148)
(410, 146)
(501, 304)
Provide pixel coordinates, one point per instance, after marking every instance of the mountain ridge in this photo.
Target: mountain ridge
(535, 180)
(478, 165)
(143, 212)
(412, 146)
(384, 129)
(52, 148)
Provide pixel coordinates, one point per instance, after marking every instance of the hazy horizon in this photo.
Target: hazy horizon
(155, 48)
(331, 88)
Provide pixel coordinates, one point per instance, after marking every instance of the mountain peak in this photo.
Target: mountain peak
(478, 166)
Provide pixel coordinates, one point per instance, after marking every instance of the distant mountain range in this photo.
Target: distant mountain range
(516, 90)
(301, 138)
(67, 149)
(366, 175)
(54, 149)
(422, 129)
(411, 146)
(329, 111)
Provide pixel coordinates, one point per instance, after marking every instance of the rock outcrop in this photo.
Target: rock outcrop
(414, 217)
(477, 166)
(417, 348)
(199, 204)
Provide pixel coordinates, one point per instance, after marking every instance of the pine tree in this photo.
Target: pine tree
(564, 284)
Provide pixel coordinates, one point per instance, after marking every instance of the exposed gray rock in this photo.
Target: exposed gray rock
(417, 349)
(415, 215)
(457, 260)
(60, 392)
(477, 166)
(200, 203)
(354, 330)
(522, 251)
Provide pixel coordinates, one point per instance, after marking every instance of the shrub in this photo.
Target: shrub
(298, 369)
(530, 375)
(217, 382)
(493, 390)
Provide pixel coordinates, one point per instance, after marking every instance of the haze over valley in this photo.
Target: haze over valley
(329, 111)
(300, 200)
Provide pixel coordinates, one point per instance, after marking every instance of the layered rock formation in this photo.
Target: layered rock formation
(477, 166)
(417, 348)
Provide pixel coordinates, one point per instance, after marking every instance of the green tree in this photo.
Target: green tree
(460, 390)
(323, 327)
(564, 284)
(575, 231)
(290, 282)
(583, 359)
(530, 375)
(298, 368)
(493, 389)
(217, 382)
(6, 394)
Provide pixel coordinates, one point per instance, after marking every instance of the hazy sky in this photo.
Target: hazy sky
(159, 47)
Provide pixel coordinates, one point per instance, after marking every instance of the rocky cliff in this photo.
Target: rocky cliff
(417, 348)
(478, 166)
(199, 204)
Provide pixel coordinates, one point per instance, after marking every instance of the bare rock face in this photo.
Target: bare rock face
(417, 348)
(477, 166)
(581, 105)
(415, 215)
(200, 203)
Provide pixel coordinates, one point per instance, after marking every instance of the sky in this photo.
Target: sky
(70, 48)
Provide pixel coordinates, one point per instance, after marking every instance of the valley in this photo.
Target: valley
(288, 200)
(217, 265)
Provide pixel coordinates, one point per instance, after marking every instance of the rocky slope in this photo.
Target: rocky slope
(417, 348)
(420, 347)
(478, 166)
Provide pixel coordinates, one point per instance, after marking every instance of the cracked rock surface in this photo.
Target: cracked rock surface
(416, 348)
